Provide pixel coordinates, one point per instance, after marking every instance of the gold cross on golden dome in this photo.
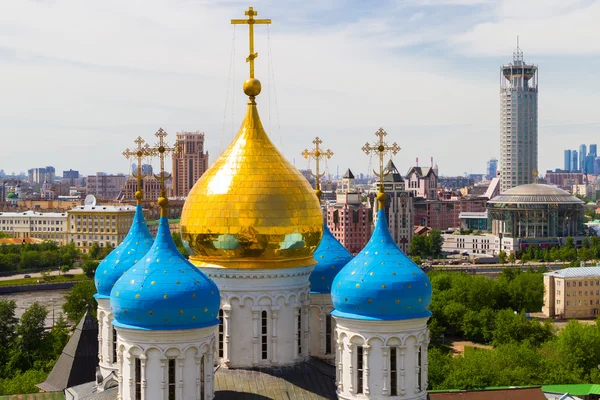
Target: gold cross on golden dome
(381, 148)
(142, 150)
(251, 22)
(318, 154)
(162, 149)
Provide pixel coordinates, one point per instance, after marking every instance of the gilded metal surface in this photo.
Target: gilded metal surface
(252, 208)
(162, 149)
(381, 148)
(317, 153)
(142, 150)
(251, 22)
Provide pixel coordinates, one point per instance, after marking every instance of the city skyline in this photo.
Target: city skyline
(77, 91)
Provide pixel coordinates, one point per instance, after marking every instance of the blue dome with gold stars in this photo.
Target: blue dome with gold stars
(164, 291)
(381, 282)
(132, 249)
(331, 257)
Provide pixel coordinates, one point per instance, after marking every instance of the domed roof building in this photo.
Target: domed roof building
(252, 224)
(128, 253)
(536, 211)
(381, 301)
(165, 313)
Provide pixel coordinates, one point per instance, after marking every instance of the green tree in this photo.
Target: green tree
(502, 257)
(94, 251)
(29, 344)
(78, 298)
(70, 254)
(435, 241)
(59, 335)
(30, 259)
(478, 326)
(512, 258)
(419, 246)
(89, 267)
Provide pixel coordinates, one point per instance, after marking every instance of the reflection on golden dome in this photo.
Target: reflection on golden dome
(252, 208)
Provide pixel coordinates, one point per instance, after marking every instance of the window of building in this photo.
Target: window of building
(328, 333)
(172, 381)
(393, 371)
(359, 369)
(264, 336)
(299, 332)
(221, 333)
(420, 365)
(137, 378)
(202, 380)
(114, 345)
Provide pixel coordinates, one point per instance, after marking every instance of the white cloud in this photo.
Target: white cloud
(86, 78)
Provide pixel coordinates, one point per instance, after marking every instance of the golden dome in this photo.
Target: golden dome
(252, 208)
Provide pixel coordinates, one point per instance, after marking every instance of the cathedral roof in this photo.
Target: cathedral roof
(132, 249)
(252, 208)
(381, 282)
(331, 257)
(164, 291)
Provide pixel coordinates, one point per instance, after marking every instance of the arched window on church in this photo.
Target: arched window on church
(114, 344)
(393, 371)
(172, 383)
(202, 380)
(299, 332)
(328, 333)
(359, 369)
(137, 378)
(221, 333)
(264, 335)
(419, 363)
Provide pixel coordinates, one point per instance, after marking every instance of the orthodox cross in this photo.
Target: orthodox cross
(142, 150)
(535, 175)
(161, 149)
(251, 22)
(318, 154)
(380, 148)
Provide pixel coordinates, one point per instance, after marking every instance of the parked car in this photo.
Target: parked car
(26, 276)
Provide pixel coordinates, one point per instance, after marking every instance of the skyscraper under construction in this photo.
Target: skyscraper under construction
(518, 122)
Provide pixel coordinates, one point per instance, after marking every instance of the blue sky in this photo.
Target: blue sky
(81, 80)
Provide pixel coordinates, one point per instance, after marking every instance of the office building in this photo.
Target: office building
(492, 168)
(582, 155)
(574, 162)
(572, 293)
(518, 123)
(41, 175)
(189, 163)
(567, 164)
(105, 225)
(33, 224)
(105, 186)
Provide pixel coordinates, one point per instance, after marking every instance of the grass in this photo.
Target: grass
(50, 279)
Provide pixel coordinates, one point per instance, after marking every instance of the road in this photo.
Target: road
(38, 274)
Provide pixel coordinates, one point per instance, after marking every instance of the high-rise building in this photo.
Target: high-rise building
(567, 166)
(41, 175)
(492, 168)
(190, 163)
(582, 156)
(519, 122)
(574, 163)
(105, 186)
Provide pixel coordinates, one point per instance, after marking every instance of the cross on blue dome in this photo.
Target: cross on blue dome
(381, 282)
(132, 249)
(164, 291)
(331, 257)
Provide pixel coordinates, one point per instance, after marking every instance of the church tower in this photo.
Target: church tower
(331, 256)
(381, 301)
(165, 314)
(132, 249)
(252, 224)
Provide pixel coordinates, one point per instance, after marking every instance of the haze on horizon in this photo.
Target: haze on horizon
(81, 80)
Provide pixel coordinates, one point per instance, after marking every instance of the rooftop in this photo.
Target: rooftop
(90, 208)
(535, 193)
(577, 272)
(31, 213)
